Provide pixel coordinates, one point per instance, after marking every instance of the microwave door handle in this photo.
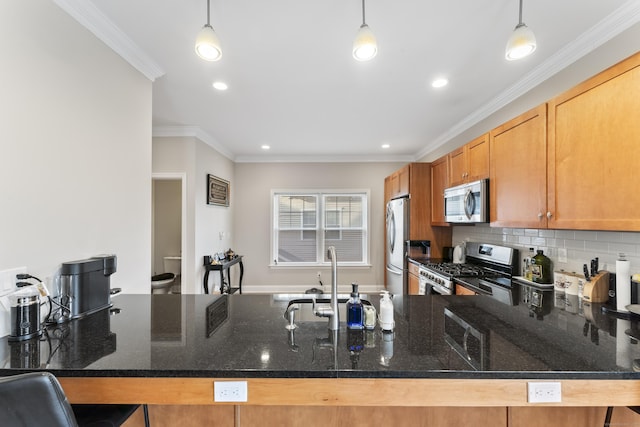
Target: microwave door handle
(469, 204)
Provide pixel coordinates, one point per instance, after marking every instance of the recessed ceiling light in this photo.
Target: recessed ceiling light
(220, 85)
(265, 147)
(439, 82)
(385, 146)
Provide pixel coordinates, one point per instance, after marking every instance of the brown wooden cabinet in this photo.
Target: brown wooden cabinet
(470, 162)
(418, 176)
(518, 182)
(414, 279)
(439, 181)
(461, 290)
(594, 150)
(398, 183)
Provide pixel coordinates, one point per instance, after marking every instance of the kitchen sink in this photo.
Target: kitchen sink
(304, 302)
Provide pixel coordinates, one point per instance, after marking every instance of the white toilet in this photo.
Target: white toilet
(161, 283)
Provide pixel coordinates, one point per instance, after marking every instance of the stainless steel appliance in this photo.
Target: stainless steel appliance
(467, 203)
(488, 270)
(397, 222)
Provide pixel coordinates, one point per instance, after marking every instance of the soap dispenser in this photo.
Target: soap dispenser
(386, 312)
(354, 309)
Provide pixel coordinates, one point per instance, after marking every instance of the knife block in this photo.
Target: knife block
(597, 290)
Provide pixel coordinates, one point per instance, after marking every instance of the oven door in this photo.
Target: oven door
(466, 340)
(429, 287)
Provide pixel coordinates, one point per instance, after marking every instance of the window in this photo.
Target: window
(305, 224)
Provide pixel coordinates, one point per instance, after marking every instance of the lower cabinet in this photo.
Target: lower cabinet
(413, 279)
(365, 416)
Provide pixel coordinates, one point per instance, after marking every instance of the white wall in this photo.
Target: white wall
(167, 221)
(253, 185)
(75, 152)
(204, 222)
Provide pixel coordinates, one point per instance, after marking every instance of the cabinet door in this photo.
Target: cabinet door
(461, 290)
(403, 181)
(478, 158)
(414, 284)
(594, 152)
(518, 184)
(458, 162)
(439, 181)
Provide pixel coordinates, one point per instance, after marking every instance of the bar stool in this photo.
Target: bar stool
(37, 399)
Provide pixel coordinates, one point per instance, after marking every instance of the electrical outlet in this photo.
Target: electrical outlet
(8, 279)
(230, 391)
(562, 254)
(545, 392)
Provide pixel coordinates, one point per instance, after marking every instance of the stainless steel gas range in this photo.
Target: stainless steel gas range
(488, 270)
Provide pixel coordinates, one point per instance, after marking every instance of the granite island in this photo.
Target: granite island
(168, 350)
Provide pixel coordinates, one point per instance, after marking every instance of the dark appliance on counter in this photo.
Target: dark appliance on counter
(85, 287)
(467, 203)
(487, 270)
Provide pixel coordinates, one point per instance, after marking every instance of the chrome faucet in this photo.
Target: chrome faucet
(331, 311)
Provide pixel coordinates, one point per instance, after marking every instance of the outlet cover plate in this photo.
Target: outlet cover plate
(230, 391)
(544, 392)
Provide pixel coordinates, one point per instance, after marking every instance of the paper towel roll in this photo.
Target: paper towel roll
(623, 284)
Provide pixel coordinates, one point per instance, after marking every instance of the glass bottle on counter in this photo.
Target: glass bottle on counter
(354, 310)
(541, 269)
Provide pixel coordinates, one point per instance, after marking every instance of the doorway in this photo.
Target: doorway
(168, 221)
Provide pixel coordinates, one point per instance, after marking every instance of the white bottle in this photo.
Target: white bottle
(386, 312)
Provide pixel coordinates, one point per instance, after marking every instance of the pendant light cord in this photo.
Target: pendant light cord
(519, 15)
(363, 22)
(209, 12)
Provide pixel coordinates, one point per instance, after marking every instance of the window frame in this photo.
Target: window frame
(320, 229)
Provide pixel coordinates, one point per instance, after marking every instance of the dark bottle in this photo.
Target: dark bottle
(354, 310)
(541, 269)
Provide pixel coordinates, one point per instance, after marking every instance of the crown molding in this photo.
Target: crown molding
(193, 132)
(90, 17)
(375, 158)
(612, 25)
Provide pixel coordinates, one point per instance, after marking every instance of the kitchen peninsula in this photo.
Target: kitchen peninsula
(169, 349)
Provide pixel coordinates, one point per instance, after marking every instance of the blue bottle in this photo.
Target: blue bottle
(355, 312)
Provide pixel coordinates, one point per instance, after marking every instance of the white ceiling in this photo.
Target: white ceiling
(294, 85)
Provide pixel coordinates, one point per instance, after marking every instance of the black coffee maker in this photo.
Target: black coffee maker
(85, 287)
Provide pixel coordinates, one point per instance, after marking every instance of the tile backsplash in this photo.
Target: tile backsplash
(581, 246)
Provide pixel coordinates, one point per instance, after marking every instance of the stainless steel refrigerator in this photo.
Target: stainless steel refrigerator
(397, 220)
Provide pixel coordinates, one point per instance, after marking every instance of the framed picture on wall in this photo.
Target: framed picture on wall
(217, 191)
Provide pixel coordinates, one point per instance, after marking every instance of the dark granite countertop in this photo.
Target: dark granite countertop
(245, 336)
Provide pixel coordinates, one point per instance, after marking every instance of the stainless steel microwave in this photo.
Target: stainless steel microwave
(467, 203)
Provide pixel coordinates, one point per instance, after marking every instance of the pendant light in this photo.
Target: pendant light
(522, 41)
(364, 46)
(207, 43)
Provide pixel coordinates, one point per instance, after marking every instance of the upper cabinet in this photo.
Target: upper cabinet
(594, 152)
(418, 189)
(398, 183)
(439, 181)
(518, 184)
(470, 162)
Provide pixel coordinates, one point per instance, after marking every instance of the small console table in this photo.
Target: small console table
(222, 266)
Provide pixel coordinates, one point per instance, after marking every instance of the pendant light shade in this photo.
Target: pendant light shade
(364, 46)
(207, 42)
(522, 41)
